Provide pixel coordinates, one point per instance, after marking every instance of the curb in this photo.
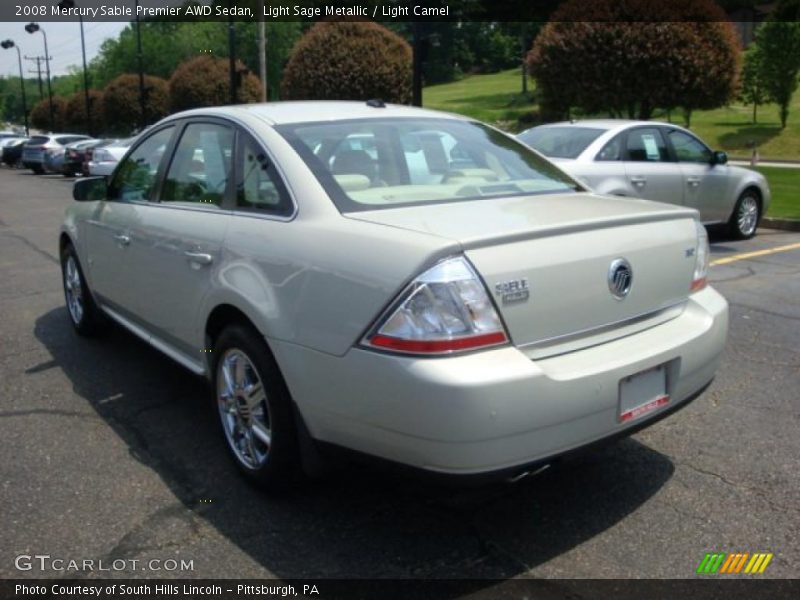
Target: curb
(784, 224)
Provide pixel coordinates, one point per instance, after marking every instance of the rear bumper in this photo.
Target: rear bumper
(497, 410)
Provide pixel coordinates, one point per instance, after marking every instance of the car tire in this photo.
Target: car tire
(746, 216)
(254, 408)
(38, 170)
(84, 314)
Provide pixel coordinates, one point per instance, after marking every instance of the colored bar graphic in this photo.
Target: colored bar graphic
(734, 563)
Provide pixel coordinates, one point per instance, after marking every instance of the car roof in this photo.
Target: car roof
(308, 111)
(606, 124)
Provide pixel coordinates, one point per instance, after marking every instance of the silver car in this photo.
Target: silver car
(656, 161)
(476, 315)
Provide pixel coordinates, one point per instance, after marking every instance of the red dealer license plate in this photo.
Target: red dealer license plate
(642, 393)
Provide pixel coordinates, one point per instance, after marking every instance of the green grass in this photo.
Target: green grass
(497, 98)
(784, 183)
(494, 98)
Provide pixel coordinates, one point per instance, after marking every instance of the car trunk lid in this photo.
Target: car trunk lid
(560, 250)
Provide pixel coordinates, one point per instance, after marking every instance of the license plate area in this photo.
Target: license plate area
(642, 393)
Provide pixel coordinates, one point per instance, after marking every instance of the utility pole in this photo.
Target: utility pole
(38, 72)
(232, 53)
(262, 50)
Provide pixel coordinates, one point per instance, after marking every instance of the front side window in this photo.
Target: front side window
(367, 164)
(646, 144)
(201, 165)
(135, 178)
(688, 148)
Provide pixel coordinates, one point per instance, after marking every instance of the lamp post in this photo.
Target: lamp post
(142, 99)
(33, 28)
(66, 5)
(7, 45)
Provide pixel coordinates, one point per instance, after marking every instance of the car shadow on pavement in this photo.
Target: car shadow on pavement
(355, 524)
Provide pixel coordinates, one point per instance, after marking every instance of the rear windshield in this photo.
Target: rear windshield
(38, 140)
(68, 139)
(560, 142)
(368, 164)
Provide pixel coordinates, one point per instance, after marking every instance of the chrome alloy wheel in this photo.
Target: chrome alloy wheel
(747, 217)
(243, 408)
(73, 290)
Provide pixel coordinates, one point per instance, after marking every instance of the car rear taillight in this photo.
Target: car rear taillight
(101, 155)
(702, 252)
(445, 310)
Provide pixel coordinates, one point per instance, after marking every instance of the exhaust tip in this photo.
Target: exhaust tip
(525, 474)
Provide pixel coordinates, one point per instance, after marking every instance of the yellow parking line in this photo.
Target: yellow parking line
(746, 255)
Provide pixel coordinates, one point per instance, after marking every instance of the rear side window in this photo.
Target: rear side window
(37, 140)
(135, 178)
(259, 186)
(560, 142)
(201, 166)
(646, 145)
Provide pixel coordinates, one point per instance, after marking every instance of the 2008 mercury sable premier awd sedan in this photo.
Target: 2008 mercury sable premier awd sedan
(398, 282)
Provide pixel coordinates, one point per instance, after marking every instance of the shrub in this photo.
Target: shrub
(40, 114)
(121, 103)
(205, 81)
(348, 61)
(75, 116)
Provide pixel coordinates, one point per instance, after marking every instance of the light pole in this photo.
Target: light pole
(10, 44)
(33, 28)
(66, 5)
(142, 100)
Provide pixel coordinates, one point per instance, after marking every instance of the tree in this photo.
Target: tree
(205, 81)
(349, 60)
(753, 85)
(121, 104)
(779, 43)
(633, 57)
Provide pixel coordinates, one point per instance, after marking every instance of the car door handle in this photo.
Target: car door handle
(640, 181)
(123, 239)
(693, 181)
(199, 258)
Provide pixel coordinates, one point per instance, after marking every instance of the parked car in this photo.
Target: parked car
(12, 150)
(42, 147)
(477, 319)
(656, 161)
(75, 155)
(105, 158)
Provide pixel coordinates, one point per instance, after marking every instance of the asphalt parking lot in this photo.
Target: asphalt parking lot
(110, 451)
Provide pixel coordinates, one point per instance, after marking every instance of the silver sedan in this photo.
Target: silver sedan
(656, 161)
(396, 282)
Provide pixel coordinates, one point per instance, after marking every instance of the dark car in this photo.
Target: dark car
(12, 151)
(75, 155)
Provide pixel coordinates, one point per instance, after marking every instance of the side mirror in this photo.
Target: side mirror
(93, 188)
(719, 158)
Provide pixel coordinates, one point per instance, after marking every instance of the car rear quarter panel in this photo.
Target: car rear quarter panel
(319, 283)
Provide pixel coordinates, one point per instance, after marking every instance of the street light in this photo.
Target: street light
(8, 44)
(33, 28)
(66, 5)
